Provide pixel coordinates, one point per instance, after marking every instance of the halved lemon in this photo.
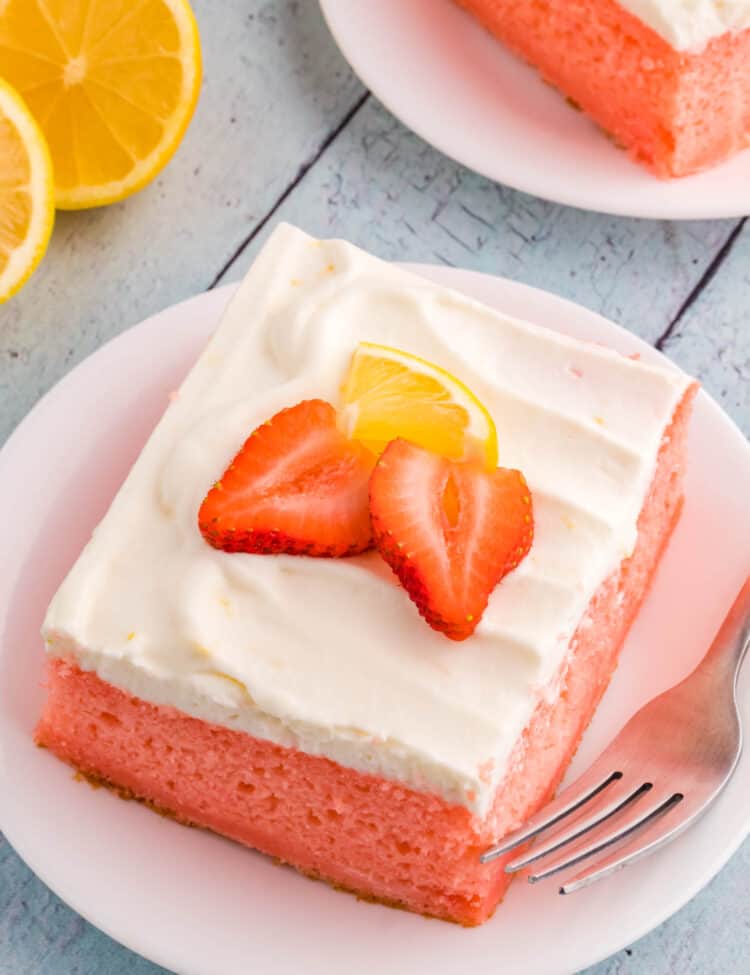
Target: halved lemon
(388, 393)
(27, 207)
(112, 84)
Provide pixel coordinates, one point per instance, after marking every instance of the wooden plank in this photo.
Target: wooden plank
(275, 92)
(712, 340)
(275, 88)
(381, 187)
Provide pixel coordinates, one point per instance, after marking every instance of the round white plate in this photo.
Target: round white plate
(198, 904)
(444, 76)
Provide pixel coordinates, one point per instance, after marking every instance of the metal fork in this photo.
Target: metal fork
(664, 769)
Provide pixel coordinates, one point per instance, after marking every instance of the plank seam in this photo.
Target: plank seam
(706, 278)
(304, 168)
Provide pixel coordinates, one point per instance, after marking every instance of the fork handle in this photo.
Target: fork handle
(726, 653)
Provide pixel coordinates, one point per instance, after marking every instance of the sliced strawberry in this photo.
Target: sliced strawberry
(298, 485)
(449, 530)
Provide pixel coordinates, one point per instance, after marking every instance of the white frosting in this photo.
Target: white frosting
(330, 656)
(689, 25)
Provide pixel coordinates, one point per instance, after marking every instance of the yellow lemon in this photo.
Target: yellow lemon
(27, 207)
(112, 84)
(388, 393)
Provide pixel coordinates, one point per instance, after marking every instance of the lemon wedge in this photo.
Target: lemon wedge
(388, 393)
(27, 206)
(112, 84)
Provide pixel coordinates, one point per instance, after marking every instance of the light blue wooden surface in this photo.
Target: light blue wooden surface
(284, 130)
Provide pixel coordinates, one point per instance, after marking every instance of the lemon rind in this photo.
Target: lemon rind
(26, 257)
(146, 169)
(483, 434)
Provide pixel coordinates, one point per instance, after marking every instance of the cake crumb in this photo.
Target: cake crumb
(295, 282)
(131, 635)
(92, 780)
(600, 420)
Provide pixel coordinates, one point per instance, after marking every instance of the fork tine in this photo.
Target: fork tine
(590, 784)
(607, 834)
(618, 799)
(659, 831)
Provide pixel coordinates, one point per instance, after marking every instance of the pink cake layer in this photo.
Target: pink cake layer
(676, 111)
(369, 835)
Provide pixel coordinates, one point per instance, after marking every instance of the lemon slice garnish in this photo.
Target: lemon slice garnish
(389, 393)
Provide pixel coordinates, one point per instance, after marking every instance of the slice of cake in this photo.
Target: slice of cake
(299, 704)
(667, 79)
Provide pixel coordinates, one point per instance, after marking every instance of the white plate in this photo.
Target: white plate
(200, 905)
(445, 77)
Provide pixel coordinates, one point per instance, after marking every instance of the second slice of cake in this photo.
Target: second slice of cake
(669, 80)
(300, 705)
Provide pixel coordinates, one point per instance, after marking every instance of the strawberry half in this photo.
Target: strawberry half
(298, 485)
(449, 530)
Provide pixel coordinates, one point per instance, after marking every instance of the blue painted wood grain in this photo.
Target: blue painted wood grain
(284, 131)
